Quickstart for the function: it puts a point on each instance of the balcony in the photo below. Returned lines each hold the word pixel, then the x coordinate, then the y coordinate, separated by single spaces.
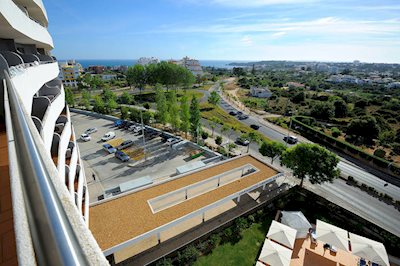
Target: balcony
pixel 17 23
pixel 46 108
pixel 35 10
pixel 56 234
pixel 28 73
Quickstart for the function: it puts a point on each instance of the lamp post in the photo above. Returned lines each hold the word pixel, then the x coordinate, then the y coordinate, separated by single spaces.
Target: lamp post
pixel 144 139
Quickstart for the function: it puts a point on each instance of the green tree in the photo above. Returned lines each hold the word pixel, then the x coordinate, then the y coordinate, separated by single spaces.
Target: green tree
pixel 272 149
pixel 136 76
pixel 341 109
pixel 69 97
pixel 251 136
pixel 173 110
pixel 185 114
pixel 298 97
pixel 108 95
pixel 214 98
pixel 218 140
pixel 365 127
pixel 85 101
pixel 126 98
pixel 167 74
pixel 161 105
pixel 99 105
pixel 194 117
pixel 322 110
pixel 124 112
pixel 312 161
pixel 111 105
pixel 186 78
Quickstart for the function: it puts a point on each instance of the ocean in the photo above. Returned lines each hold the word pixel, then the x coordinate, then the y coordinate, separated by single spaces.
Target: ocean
pixel 129 62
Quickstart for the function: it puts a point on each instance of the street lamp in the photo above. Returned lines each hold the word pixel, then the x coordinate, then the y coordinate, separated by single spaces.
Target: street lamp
pixel 144 139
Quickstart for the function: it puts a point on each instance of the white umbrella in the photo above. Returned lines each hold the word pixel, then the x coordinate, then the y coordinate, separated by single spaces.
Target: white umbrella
pixel 298 221
pixel 369 249
pixel 274 254
pixel 282 234
pixel 333 235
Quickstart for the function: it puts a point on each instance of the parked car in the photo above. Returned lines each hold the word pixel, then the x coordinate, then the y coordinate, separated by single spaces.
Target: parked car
pixel 243 117
pixel 255 127
pixel 233 113
pixel 125 144
pixel 122 156
pixel 108 136
pixel 85 137
pixel 122 125
pixel 171 141
pixel 239 113
pixel 118 122
pixel 90 130
pixel 242 141
pixel 137 129
pixel 109 148
pixel 128 125
pixel 290 139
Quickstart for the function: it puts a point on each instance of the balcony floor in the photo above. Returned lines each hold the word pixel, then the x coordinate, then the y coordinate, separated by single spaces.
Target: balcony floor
pixel 8 254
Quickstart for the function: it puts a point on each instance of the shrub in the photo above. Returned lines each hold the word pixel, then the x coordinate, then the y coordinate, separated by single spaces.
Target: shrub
pixel 146 105
pixel 204 135
pixel 164 262
pixel 251 218
pixel 335 132
pixel 218 140
pixel 380 153
pixel 188 255
pixel 215 239
pixel 350 178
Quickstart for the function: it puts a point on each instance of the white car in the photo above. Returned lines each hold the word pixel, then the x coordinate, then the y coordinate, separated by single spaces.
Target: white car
pixel 85 137
pixel 137 129
pixel 108 136
pixel 90 130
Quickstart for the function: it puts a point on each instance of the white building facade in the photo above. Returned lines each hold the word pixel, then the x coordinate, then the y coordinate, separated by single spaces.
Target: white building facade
pixel 41 171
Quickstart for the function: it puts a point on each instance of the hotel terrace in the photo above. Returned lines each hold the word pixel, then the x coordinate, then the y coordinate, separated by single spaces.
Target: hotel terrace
pixel 129 224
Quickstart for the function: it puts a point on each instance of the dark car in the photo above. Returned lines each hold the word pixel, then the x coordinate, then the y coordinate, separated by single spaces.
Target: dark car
pixel 255 127
pixel 122 156
pixel 239 113
pixel 243 117
pixel 290 139
pixel 122 125
pixel 128 124
pixel 242 141
pixel 125 144
pixel 233 113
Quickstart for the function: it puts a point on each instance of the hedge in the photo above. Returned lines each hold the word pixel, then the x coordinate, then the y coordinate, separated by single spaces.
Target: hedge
pixel 344 145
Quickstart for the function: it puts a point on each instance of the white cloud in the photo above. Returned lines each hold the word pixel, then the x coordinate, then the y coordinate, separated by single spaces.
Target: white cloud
pixel 278 34
pixel 246 40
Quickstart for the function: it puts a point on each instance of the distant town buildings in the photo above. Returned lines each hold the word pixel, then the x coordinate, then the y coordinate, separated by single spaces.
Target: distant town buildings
pixel 191 64
pixel 292 84
pixel 148 60
pixel 69 72
pixel 260 92
pixel 96 69
pixel 107 77
pixel 393 85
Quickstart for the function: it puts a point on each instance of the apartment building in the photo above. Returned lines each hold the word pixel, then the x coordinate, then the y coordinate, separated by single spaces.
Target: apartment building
pixel 44 196
pixel 70 72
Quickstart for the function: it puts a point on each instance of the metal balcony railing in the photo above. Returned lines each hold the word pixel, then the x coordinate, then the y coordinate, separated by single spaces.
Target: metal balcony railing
pixel 54 239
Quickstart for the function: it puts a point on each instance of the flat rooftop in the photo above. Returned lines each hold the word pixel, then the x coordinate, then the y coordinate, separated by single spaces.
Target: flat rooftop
pixel 125 217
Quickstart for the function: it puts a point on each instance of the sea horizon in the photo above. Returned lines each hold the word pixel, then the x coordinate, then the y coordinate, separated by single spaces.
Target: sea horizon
pixel 129 62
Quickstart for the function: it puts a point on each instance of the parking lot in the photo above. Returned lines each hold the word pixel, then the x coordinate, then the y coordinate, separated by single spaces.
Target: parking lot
pixel 104 172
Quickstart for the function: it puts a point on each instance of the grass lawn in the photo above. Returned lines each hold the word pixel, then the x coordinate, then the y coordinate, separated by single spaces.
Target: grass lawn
pixel 208 111
pixel 242 253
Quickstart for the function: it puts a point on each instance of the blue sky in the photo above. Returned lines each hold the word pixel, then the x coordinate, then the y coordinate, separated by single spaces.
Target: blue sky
pixel 324 30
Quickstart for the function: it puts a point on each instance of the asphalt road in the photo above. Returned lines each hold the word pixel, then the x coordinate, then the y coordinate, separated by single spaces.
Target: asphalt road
pixel 338 192
pixel 347 168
